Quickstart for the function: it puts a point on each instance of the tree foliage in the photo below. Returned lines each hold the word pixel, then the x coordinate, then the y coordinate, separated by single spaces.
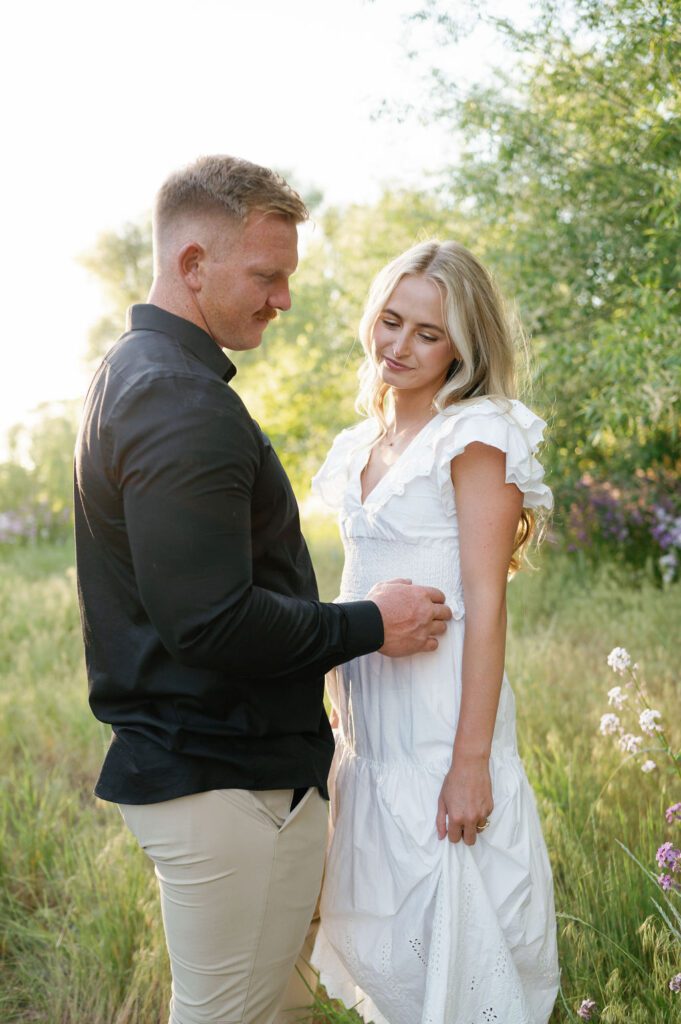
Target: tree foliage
pixel 122 263
pixel 568 187
pixel 571 173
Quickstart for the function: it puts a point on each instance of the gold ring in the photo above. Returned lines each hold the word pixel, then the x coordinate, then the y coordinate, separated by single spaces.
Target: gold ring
pixel 481 828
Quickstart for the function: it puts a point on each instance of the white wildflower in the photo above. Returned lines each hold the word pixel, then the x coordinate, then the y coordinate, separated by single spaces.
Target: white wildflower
pixel 647 721
pixel 630 744
pixel 648 766
pixel 619 659
pixel 617 697
pixel 609 724
pixel 668 563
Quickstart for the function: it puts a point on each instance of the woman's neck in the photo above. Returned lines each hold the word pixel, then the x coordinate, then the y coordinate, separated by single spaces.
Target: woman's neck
pixel 411 408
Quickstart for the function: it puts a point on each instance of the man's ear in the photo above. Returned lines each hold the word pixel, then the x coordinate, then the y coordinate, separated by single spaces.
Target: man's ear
pixel 189 260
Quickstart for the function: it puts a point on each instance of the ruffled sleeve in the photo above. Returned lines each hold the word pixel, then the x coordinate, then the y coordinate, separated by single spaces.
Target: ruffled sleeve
pixel 331 482
pixel 502 423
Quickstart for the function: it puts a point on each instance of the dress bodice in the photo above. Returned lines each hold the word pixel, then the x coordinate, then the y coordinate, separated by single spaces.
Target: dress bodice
pixel 408 523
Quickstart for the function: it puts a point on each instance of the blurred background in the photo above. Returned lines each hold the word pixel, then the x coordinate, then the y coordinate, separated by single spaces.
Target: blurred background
pixel 543 134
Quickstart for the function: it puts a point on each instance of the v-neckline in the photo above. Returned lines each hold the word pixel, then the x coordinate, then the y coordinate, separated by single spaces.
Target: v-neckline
pixel 365 498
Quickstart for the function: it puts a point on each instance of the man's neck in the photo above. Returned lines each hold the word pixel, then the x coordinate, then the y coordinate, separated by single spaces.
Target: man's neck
pixel 167 298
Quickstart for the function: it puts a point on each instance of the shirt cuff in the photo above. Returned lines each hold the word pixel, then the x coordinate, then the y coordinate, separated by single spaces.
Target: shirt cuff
pixel 363 628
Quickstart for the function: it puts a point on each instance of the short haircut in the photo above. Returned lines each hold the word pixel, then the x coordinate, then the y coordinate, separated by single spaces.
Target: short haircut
pixel 230 185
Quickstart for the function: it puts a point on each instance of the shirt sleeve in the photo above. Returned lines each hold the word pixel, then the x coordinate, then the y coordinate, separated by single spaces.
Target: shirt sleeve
pixel 186 456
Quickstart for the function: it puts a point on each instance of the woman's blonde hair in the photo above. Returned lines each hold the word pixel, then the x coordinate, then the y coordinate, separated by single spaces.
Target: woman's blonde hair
pixel 485 335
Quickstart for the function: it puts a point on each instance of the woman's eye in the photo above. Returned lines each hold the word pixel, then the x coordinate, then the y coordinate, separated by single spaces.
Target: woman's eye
pixel 427 337
pixel 390 323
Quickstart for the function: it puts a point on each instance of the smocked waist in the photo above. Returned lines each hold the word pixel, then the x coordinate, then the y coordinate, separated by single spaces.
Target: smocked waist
pixel 369 560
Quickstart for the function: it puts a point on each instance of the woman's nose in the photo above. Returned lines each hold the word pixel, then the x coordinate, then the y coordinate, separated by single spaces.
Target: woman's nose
pixel 401 343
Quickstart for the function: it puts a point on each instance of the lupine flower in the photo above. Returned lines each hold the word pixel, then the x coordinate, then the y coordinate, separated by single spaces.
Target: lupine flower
pixel 629 743
pixel 666 882
pixel 648 766
pixel 619 659
pixel 587 1009
pixel 647 721
pixel 609 724
pixel 673 813
pixel 617 697
pixel 675 983
pixel 668 857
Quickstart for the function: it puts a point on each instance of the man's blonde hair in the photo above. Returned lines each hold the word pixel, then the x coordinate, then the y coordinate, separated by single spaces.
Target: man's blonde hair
pixel 229 185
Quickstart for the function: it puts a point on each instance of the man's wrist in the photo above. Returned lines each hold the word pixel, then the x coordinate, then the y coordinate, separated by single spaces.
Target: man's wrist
pixel 364 632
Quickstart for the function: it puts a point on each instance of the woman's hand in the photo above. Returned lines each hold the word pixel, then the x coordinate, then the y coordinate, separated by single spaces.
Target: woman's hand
pixel 465 799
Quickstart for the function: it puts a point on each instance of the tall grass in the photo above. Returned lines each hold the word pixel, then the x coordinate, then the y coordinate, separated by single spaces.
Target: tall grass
pixel 80 933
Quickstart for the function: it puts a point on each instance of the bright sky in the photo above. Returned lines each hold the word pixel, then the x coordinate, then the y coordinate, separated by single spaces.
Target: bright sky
pixel 102 101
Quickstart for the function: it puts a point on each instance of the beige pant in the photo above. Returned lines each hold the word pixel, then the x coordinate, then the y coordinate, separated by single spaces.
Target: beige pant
pixel 239 876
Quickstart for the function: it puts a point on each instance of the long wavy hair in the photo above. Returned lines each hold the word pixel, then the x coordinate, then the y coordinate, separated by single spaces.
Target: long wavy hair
pixel 488 344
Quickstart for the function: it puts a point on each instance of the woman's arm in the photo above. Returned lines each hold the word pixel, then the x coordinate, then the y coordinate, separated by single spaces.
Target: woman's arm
pixel 488 511
pixel 331 683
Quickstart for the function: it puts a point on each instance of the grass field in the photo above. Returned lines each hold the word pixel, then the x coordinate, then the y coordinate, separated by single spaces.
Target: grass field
pixel 80 935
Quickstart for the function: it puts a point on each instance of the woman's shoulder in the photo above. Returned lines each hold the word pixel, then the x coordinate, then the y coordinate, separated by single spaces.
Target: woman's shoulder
pixel 503 423
pixel 511 410
pixel 365 429
pixel 330 482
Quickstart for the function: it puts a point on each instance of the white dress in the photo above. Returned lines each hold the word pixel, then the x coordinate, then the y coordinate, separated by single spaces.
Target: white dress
pixel 417 930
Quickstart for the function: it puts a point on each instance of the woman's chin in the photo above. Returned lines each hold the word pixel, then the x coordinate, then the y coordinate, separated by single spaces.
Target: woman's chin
pixel 396 378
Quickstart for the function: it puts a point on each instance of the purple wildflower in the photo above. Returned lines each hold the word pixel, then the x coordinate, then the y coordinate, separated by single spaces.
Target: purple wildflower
pixel 587 1009
pixel 668 857
pixel 675 983
pixel 673 813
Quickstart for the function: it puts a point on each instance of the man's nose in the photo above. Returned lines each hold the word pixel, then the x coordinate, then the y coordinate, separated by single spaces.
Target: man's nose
pixel 281 299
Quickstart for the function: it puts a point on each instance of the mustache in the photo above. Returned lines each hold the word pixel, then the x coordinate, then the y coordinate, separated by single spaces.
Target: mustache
pixel 267 314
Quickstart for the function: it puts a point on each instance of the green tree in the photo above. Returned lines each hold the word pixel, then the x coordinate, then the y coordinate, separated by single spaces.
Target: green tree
pixel 36 481
pixel 300 384
pixel 570 172
pixel 122 263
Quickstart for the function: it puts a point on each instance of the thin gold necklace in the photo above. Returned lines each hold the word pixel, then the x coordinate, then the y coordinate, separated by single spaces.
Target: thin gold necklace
pixel 389 444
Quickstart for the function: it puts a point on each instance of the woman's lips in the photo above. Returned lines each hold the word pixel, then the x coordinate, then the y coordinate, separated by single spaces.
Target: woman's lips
pixel 392 365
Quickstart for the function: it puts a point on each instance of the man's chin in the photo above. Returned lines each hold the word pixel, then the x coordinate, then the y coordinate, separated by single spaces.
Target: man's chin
pixel 250 335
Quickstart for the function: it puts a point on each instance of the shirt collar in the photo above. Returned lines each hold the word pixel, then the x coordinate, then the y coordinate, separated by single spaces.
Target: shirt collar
pixel 146 317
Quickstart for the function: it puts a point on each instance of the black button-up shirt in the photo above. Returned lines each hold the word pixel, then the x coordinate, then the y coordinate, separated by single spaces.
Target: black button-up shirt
pixel 205 641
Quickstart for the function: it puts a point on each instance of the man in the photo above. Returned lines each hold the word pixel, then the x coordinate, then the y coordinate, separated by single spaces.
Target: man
pixel 205 642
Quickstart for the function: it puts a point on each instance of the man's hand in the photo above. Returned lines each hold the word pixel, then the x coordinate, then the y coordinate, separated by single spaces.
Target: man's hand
pixel 413 617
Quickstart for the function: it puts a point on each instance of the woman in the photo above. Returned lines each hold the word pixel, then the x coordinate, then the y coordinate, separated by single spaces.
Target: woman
pixel 438 905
